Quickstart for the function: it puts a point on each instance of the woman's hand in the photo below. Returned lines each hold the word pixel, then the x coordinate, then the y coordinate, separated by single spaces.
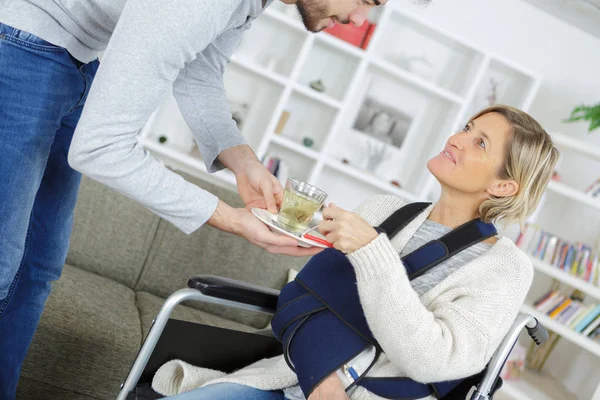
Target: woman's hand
pixel 346 230
pixel 330 389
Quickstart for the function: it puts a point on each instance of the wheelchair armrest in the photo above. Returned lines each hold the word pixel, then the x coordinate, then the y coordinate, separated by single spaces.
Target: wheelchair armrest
pixel 233 290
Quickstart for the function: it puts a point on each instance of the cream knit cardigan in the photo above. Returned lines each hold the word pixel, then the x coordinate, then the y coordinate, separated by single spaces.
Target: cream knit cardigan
pixel 449 332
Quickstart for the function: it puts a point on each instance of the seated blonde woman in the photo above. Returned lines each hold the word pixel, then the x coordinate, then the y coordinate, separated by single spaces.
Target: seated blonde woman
pixel 431 328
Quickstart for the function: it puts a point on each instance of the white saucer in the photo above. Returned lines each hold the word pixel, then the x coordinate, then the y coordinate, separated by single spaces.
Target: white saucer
pixel 270 219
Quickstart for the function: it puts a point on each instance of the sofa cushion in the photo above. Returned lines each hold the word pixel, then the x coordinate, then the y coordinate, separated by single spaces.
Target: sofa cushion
pixel 87 338
pixel 31 389
pixel 175 257
pixel 111 233
pixel 149 306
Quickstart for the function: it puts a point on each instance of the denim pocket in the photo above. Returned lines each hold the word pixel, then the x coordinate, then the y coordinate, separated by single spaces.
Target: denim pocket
pixel 27 39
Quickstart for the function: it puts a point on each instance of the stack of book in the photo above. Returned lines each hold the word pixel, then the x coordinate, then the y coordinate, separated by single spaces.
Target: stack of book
pixel 570 310
pixel 575 258
pixel 594 189
pixel 277 167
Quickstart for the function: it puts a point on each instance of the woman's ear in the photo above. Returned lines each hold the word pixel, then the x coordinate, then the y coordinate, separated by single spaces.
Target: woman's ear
pixel 503 188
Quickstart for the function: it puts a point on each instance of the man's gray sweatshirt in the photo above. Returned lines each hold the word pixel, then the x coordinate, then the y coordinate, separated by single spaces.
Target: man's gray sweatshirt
pixel 150 48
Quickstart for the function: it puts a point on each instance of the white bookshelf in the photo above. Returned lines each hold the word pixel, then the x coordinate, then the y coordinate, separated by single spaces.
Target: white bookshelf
pixel 574 194
pixel 571 280
pixel 435 103
pixel 567 196
pixel 274 76
pixel 564 331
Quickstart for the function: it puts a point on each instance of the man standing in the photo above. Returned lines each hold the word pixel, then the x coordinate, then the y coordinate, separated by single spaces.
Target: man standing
pixel 48 51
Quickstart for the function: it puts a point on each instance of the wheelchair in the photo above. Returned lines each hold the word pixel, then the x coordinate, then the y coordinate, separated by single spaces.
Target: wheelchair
pixel 228 350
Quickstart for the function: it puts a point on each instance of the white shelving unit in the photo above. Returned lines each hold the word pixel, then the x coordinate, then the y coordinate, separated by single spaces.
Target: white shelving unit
pixel 567 196
pixel 564 331
pixel 427 79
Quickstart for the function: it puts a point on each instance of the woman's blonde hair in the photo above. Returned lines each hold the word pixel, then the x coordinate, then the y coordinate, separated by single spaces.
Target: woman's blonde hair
pixel 530 161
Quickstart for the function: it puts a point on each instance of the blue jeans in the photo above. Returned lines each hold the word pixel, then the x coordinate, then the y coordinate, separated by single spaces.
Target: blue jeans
pixel 43 90
pixel 229 391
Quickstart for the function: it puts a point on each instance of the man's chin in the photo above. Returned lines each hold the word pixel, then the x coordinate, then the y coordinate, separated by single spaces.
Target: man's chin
pixel 315 28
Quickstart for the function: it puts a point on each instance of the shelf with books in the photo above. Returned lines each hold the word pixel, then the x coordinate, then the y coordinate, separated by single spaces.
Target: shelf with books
pixel 565 277
pixel 574 194
pixel 576 264
pixel 562 330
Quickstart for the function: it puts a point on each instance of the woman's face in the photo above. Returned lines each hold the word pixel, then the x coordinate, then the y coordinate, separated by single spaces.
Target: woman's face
pixel 472 158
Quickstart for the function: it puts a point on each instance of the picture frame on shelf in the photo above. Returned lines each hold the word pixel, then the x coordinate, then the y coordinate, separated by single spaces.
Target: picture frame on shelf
pixel 382 122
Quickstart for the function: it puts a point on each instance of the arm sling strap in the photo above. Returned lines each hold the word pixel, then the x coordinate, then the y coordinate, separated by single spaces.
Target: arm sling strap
pixel 320 321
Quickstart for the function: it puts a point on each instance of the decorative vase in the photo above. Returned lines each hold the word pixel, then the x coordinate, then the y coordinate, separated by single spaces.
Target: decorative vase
pixel 375 156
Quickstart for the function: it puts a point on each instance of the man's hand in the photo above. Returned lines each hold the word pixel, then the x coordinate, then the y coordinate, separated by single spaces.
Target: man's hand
pixel 330 389
pixel 259 188
pixel 346 230
pixel 242 222
pixel 256 185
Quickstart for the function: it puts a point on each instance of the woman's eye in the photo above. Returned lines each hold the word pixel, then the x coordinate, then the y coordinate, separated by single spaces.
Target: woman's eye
pixel 466 128
pixel 482 143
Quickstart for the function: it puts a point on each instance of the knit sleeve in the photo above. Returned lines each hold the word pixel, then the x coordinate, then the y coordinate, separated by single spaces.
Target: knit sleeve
pixel 152 42
pixel 200 94
pixel 377 208
pixel 457 333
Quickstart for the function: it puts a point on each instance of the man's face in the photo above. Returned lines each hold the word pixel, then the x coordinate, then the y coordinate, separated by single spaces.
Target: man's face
pixel 321 14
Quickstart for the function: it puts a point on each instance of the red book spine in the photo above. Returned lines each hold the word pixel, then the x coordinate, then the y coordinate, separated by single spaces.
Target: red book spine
pixel 367 38
pixel 349 33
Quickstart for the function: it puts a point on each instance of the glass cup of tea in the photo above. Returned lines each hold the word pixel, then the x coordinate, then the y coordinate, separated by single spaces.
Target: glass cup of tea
pixel 300 203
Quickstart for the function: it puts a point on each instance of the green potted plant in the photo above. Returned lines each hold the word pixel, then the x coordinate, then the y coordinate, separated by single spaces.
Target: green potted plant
pixel 586 113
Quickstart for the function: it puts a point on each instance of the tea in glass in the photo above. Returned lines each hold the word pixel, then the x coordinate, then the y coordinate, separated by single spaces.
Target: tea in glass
pixel 300 203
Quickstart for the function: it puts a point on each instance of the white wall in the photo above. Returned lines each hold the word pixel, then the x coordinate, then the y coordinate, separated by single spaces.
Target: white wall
pixel 568 60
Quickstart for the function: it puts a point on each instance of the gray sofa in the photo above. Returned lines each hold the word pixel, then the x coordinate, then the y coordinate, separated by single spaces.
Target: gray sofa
pixel 123 262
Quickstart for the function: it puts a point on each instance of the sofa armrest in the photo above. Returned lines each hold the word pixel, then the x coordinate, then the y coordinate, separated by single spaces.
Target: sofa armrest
pixel 233 290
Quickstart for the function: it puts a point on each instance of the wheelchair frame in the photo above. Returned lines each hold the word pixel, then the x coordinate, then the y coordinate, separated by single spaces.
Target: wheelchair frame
pixel 246 296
